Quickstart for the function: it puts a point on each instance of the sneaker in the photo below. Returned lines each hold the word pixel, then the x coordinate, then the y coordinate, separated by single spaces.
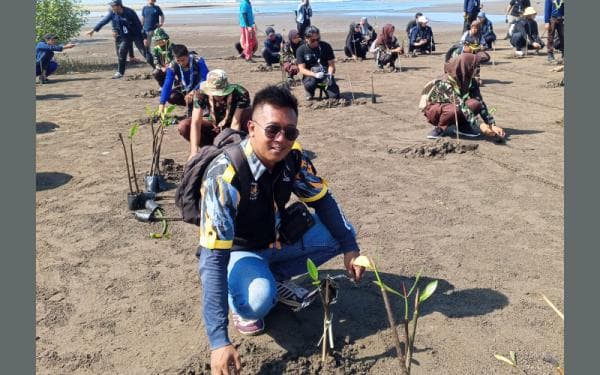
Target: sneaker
pixel 117 75
pixel 550 57
pixel 518 53
pixel 468 132
pixel 293 295
pixel 248 327
pixel 435 133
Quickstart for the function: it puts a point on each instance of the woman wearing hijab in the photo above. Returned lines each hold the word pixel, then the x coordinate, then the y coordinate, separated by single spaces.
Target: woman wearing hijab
pixel 289 54
pixel 368 32
pixel 456 98
pixel 387 48
pixel 354 47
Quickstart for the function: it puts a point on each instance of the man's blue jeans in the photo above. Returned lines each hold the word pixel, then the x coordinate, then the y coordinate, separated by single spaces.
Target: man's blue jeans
pixel 251 275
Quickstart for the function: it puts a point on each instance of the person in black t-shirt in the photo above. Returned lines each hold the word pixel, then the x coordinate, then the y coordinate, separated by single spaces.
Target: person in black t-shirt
pixel 316 62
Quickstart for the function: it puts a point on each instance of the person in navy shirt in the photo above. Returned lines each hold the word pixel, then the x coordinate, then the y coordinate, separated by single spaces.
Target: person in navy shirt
pixel 272 50
pixel 189 71
pixel 471 9
pixel 152 18
pixel 44 52
pixel 554 22
pixel 129 29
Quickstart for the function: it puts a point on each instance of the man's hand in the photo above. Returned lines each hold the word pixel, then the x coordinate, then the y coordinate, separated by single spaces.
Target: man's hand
pixel 223 359
pixel 547 26
pixel 90 33
pixel 69 45
pixel 536 45
pixel 161 108
pixel 319 75
pixel 250 29
pixel 356 272
pixel 189 97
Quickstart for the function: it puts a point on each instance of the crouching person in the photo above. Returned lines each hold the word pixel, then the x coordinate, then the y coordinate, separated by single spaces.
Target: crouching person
pixel 44 53
pixel 217 105
pixel 316 62
pixel 456 98
pixel 245 264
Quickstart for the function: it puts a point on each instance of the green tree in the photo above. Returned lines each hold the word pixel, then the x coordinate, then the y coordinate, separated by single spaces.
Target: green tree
pixel 61 17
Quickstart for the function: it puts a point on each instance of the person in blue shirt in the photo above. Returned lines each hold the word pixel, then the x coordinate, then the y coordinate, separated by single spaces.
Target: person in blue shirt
pixel 248 40
pixel 554 23
pixel 152 18
pixel 245 263
pixel 118 39
pixel 189 71
pixel 273 44
pixel 303 15
pixel 44 52
pixel 129 29
pixel 486 29
pixel 471 9
pixel 421 38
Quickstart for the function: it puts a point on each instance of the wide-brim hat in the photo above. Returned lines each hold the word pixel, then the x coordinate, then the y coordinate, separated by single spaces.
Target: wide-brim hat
pixel 529 11
pixel 217 83
pixel 159 34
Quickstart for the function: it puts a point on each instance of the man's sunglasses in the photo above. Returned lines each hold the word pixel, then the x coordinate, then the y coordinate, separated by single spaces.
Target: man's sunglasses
pixel 271 131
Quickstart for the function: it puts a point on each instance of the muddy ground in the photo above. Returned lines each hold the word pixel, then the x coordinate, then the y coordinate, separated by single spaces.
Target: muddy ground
pixel 485 219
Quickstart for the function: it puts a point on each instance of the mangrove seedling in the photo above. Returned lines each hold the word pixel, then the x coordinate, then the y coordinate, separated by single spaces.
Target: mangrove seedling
pixel 163 119
pixel 328 292
pixel 405 351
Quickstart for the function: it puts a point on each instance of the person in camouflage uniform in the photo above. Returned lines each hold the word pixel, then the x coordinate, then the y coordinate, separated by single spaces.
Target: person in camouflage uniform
pixel 456 98
pixel 217 105
pixel 288 54
pixel 162 54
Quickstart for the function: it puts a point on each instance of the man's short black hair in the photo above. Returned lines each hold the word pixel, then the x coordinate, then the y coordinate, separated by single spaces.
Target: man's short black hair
pixel 179 50
pixel 418 14
pixel 276 96
pixel 310 31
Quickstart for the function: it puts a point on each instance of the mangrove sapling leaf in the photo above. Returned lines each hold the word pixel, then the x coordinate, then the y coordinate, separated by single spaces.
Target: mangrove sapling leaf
pixel 417 277
pixel 133 131
pixel 387 288
pixel 513 357
pixel 429 290
pixel 504 359
pixel 363 261
pixel 164 226
pixel 313 272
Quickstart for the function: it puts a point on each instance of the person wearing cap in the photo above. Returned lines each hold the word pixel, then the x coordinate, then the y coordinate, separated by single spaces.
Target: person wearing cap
pixel 471 9
pixel 188 71
pixel 421 37
pixel 387 48
pixel 272 47
pixel 248 40
pixel 316 62
pixel 303 15
pixel 118 39
pixel 355 48
pixel 554 23
pixel 513 13
pixel 412 23
pixel 218 104
pixel 162 54
pixel 152 18
pixel 290 66
pixel 129 29
pixel 368 32
pixel 44 52
pixel 486 29
pixel 525 33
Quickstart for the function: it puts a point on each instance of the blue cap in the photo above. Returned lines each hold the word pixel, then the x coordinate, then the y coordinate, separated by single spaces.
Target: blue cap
pixel 481 14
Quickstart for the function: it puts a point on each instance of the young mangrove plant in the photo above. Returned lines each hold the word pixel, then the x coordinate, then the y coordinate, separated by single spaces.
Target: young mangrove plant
pixel 404 348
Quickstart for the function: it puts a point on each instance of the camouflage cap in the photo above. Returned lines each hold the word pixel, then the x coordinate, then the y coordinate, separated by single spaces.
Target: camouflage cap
pixel 216 83
pixel 159 34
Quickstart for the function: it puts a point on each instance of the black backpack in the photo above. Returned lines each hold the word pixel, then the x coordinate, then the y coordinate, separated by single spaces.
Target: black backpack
pixel 187 195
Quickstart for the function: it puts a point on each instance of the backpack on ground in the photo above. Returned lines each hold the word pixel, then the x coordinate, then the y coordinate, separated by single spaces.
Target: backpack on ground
pixel 187 195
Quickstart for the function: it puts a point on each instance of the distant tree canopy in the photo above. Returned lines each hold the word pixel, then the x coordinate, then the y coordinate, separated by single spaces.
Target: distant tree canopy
pixel 61 17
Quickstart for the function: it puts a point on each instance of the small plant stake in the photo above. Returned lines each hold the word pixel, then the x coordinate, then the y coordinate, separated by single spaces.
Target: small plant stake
pixel 404 356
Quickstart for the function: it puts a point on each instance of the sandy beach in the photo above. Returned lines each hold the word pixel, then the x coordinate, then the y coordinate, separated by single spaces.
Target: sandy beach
pixel 487 222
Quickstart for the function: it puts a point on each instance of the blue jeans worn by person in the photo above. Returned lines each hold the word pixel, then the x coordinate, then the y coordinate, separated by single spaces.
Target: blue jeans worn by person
pixel 252 275
pixel 49 66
